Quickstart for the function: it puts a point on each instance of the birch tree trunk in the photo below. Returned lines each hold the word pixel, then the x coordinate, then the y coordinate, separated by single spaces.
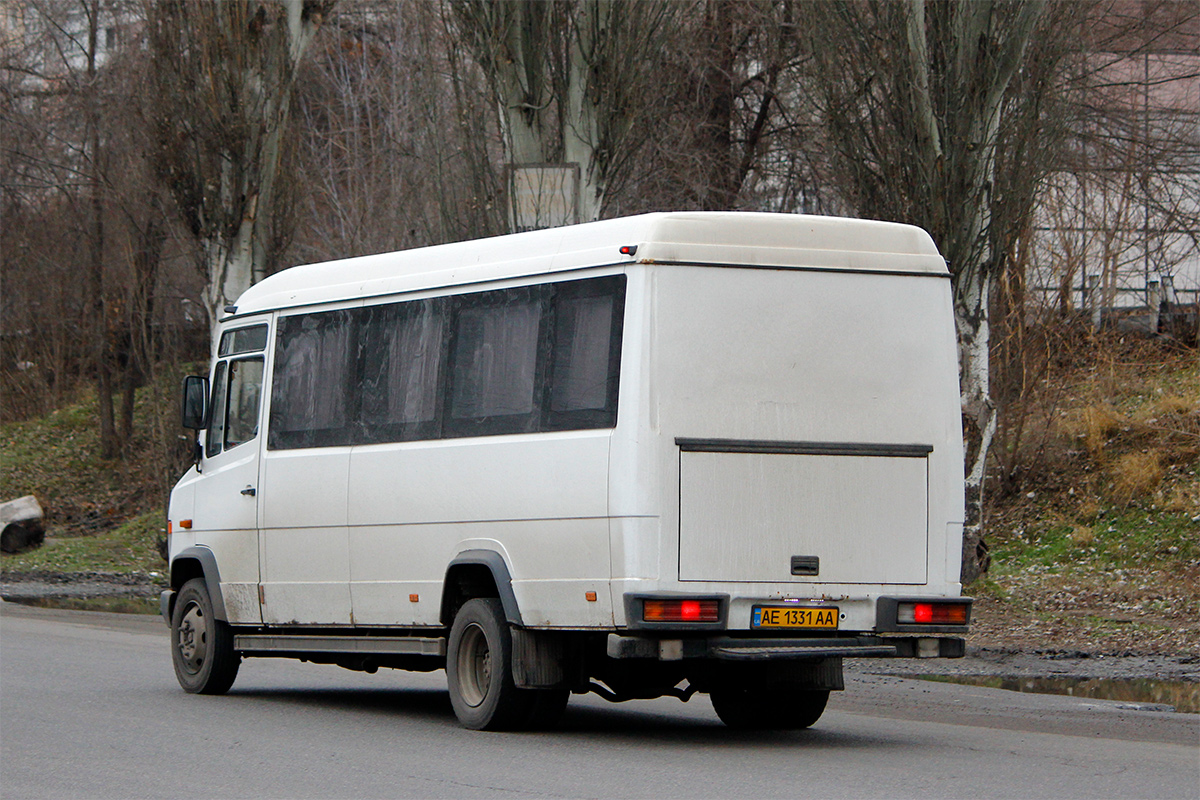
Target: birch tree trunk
pixel 582 133
pixel 110 445
pixel 224 74
pixel 915 113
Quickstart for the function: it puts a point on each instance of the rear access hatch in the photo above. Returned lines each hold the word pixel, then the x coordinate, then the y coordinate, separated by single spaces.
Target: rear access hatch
pixel 780 512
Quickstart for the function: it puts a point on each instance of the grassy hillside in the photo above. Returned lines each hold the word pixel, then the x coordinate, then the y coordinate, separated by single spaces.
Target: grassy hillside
pixel 133 546
pixel 101 515
pixel 1097 548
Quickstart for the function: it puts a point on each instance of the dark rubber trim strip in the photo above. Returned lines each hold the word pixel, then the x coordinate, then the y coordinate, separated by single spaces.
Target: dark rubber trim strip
pixel 803 448
pixel 212 576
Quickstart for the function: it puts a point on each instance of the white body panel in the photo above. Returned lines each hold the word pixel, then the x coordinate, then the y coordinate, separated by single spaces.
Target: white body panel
pixel 746 328
pixel 542 495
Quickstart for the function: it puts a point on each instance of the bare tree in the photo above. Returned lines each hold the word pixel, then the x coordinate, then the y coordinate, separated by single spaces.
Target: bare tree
pixel 572 80
pixel 39 178
pixel 733 125
pixel 78 169
pixel 398 139
pixel 929 109
pixel 223 75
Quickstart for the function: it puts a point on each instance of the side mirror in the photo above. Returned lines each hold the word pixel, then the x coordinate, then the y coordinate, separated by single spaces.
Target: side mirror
pixel 195 402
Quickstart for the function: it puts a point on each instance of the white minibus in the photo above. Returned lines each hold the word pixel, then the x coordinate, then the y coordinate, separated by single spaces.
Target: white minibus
pixel 657 455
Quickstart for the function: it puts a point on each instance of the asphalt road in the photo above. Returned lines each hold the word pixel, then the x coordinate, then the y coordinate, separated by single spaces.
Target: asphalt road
pixel 89 708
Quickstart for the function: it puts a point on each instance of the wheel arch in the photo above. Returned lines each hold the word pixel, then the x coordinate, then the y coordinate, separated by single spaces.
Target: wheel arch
pixel 198 562
pixel 478 573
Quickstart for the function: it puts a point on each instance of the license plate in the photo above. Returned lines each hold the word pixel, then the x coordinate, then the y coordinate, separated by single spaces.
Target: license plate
pixel 793 617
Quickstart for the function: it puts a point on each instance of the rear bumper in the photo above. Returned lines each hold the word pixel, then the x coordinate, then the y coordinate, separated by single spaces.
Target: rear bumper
pixel 727 648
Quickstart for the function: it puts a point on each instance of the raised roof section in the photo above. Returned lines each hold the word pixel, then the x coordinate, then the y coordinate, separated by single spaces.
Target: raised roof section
pixel 720 238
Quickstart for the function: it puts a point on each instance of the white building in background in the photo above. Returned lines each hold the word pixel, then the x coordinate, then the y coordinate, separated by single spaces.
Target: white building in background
pixel 42 43
pixel 1120 228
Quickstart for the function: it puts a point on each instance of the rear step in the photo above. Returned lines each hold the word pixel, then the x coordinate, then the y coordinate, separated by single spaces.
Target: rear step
pixel 769 653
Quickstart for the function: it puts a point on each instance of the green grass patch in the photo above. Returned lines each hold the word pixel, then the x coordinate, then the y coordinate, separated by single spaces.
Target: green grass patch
pixel 130 547
pixel 987 586
pixel 1150 384
pixel 1132 538
pixel 51 456
pixel 56 458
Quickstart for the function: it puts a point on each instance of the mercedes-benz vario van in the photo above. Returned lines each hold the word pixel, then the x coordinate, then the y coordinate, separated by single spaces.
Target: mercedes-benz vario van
pixel 659 455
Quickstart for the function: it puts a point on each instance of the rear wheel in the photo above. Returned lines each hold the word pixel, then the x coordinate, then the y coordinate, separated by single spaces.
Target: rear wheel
pixel 201 645
pixel 758 709
pixel 479 670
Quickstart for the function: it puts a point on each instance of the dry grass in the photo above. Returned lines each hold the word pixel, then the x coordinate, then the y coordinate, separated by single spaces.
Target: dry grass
pixel 1089 509
pixel 1175 406
pixel 1135 476
pixel 1095 534
pixel 1100 424
pixel 1082 535
pixel 1182 499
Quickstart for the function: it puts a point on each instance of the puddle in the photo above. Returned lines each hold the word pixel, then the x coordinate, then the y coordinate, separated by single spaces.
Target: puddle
pixel 1182 696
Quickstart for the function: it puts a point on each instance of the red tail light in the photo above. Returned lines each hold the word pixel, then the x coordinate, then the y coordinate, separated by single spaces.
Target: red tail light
pixel 681 611
pixel 932 613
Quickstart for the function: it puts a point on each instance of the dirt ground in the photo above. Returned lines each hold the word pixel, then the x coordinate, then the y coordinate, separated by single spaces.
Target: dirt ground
pixel 47 586
pixel 1079 626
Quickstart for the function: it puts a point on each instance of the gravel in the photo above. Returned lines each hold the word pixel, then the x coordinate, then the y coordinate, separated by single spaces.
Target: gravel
pixel 985 662
pixel 24 586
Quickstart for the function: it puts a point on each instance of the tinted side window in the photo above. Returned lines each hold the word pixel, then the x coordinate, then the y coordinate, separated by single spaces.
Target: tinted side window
pixel 586 355
pixel 495 381
pixel 582 329
pixel 402 348
pixel 311 385
pixel 245 388
pixel 515 360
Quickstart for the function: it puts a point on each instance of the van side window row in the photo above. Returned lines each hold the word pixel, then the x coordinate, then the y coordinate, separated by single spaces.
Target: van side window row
pixel 532 358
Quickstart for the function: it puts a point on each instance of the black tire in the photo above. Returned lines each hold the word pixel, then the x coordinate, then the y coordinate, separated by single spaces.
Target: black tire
pixel 780 710
pixel 201 645
pixel 479 670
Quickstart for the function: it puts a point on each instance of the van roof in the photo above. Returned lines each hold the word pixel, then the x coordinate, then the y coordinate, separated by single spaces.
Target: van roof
pixel 707 238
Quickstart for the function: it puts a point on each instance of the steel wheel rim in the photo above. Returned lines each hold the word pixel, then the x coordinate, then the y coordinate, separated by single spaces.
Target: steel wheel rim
pixel 193 638
pixel 474 666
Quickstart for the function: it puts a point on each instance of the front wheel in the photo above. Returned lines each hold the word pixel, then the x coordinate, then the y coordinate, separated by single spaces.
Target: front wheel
pixel 201 645
pixel 479 670
pixel 757 709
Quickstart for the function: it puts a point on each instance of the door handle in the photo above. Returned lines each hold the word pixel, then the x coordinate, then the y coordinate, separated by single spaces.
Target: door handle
pixel 249 491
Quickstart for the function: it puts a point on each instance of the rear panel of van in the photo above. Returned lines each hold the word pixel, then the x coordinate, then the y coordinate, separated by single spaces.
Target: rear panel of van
pixel 808 439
